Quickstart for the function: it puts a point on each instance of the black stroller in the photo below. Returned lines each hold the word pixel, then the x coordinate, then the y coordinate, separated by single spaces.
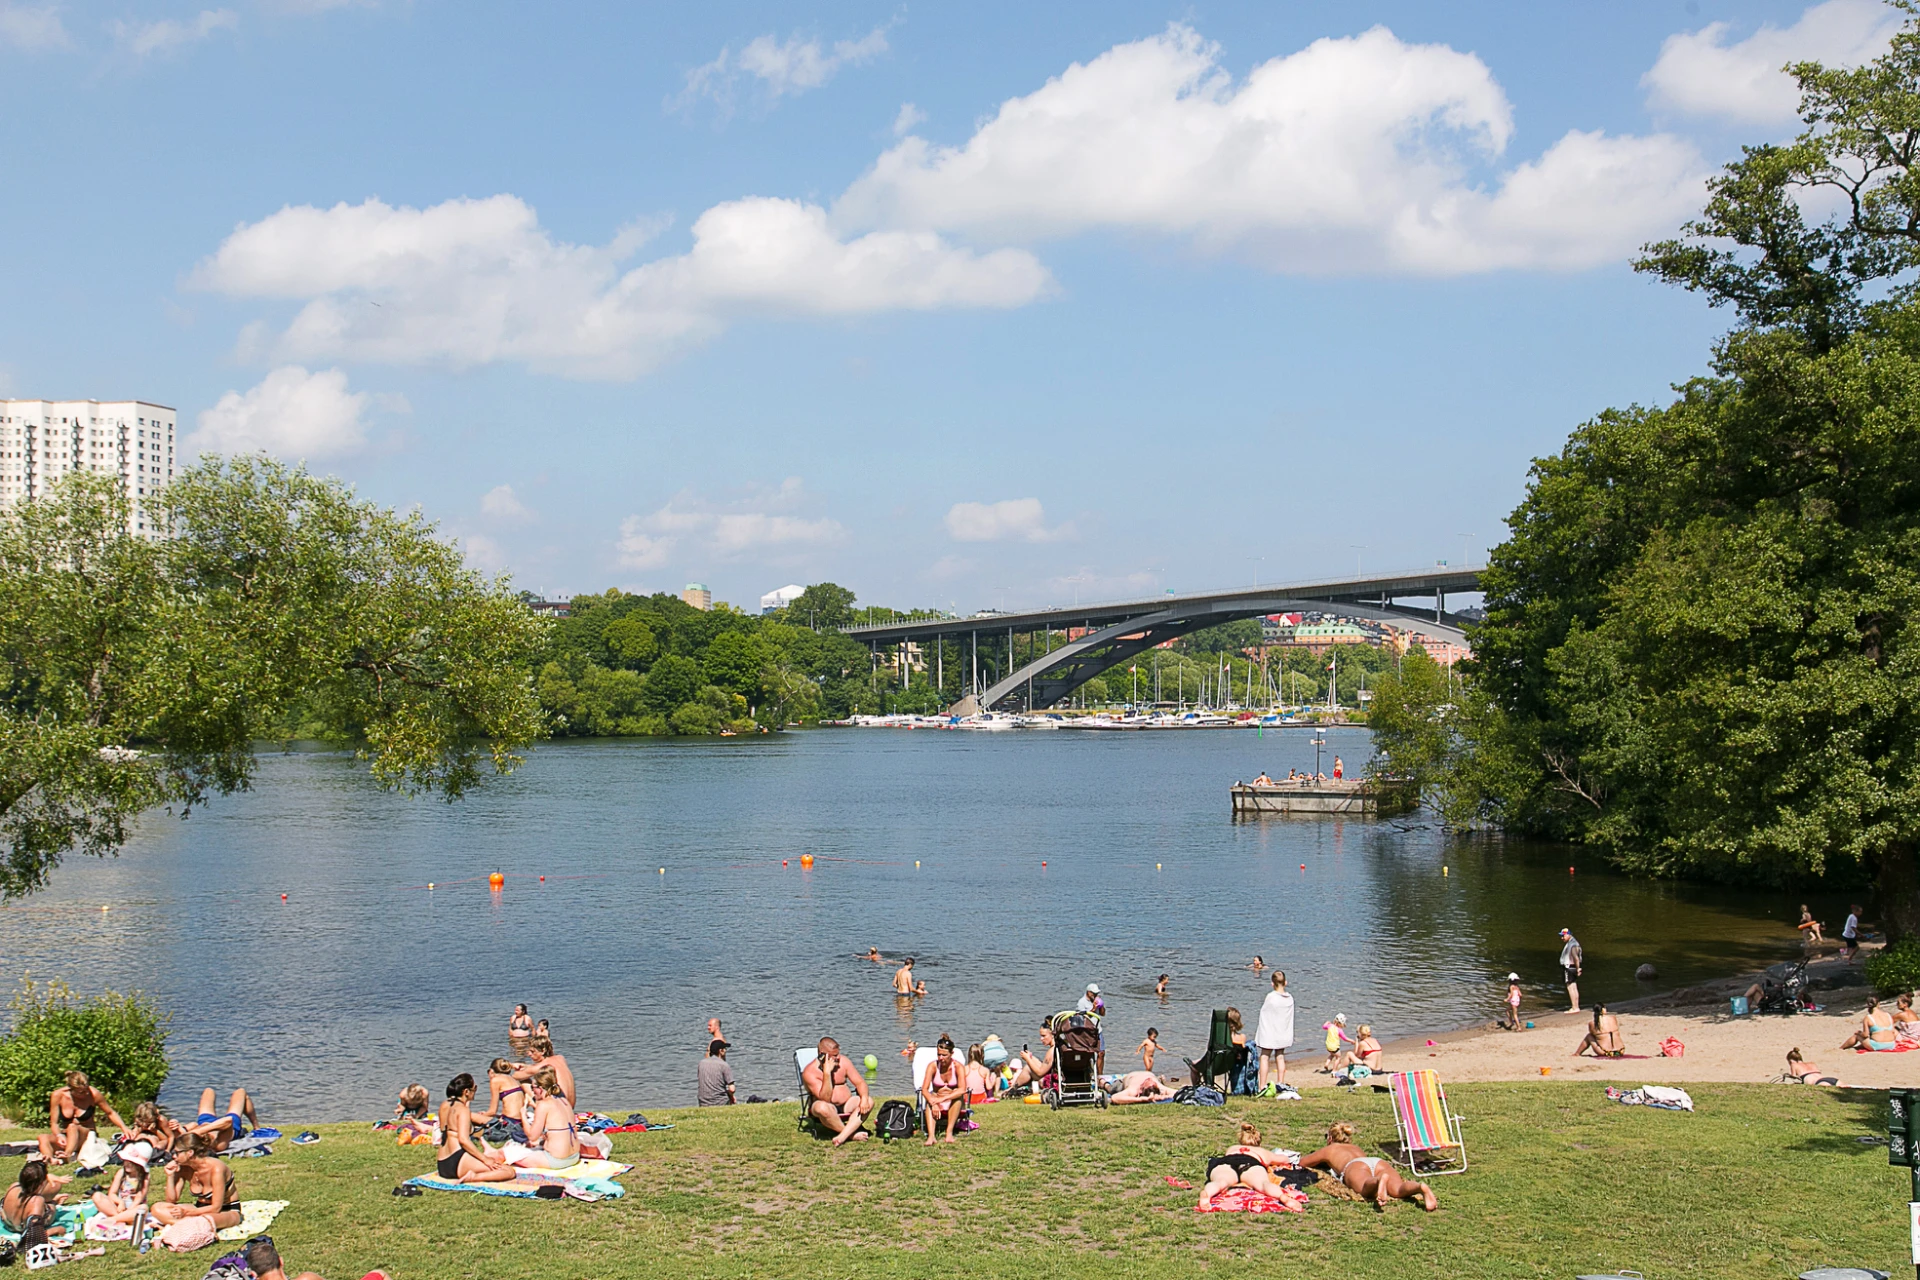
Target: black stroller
pixel 1076 1056
pixel 1789 994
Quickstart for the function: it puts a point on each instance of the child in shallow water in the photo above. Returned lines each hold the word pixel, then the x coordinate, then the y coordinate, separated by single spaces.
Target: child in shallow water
pixel 1149 1047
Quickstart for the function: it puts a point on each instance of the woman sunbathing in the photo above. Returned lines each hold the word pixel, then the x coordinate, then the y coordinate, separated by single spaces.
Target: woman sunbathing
pixel 224 1130
pixel 1140 1086
pixel 1366 1052
pixel 1245 1164
pixel 507 1096
pixel 1806 1073
pixel 31 1195
pixel 1906 1023
pixel 1603 1037
pixel 461 1158
pixel 198 1174
pixel 553 1142
pixel 1876 1030
pixel 1372 1176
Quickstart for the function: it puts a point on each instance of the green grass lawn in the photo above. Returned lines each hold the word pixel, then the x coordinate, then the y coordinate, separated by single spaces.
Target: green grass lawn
pixel 1762 1181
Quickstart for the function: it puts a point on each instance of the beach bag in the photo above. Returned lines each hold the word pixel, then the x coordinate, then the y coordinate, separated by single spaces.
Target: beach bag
pixel 94 1152
pixel 894 1119
pixel 188 1234
pixel 1672 1048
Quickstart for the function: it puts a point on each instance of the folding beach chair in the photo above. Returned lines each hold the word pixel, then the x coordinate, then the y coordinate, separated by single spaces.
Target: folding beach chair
pixel 1222 1057
pixel 1430 1137
pixel 922 1057
pixel 809 1122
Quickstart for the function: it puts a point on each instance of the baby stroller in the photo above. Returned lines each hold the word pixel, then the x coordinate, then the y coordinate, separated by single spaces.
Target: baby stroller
pixel 1076 1053
pixel 1789 995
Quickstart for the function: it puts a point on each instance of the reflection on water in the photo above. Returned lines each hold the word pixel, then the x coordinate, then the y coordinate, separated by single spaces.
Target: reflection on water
pixel 1015 867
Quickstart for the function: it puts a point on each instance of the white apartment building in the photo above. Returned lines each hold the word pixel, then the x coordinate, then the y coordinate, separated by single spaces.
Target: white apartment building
pixel 43 440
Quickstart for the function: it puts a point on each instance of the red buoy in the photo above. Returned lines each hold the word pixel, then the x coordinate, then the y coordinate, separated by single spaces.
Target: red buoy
pixel 283 897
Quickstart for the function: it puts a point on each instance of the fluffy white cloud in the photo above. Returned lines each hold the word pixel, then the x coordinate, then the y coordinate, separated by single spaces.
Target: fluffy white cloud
pixel 762 523
pixel 502 503
pixel 910 118
pixel 292 414
pixel 1706 73
pixel 470 282
pixel 170 35
pixel 782 68
pixel 1016 519
pixel 32 29
pixel 1362 153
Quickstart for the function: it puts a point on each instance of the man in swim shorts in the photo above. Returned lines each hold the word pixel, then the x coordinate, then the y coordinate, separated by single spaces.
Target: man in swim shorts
pixel 840 1098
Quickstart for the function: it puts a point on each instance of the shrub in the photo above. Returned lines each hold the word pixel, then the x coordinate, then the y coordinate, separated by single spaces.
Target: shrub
pixel 118 1040
pixel 1897 968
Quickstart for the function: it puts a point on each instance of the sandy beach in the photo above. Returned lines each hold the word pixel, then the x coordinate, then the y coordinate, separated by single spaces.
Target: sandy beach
pixel 1719 1046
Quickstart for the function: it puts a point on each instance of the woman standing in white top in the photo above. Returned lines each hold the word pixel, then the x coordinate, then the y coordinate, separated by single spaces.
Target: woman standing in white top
pixel 1274 1036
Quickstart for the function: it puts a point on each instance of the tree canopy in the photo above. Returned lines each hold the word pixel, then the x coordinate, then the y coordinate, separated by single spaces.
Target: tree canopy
pixel 142 672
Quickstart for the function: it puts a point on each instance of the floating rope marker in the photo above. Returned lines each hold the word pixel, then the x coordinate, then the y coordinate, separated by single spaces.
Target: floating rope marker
pixel 663 871
pixel 916 863
pixel 495 880
pixel 783 862
pixel 806 860
pixel 429 884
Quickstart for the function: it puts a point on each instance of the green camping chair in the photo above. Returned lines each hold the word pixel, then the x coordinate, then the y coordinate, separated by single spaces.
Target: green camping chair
pixel 1222 1055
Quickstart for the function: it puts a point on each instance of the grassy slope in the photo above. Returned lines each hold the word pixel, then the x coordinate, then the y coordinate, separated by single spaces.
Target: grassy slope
pixel 1761 1181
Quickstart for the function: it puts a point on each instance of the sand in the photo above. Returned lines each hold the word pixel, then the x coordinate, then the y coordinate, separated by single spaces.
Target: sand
pixel 1719 1046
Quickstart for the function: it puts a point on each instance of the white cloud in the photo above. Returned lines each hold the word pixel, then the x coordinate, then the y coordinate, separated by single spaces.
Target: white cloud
pixel 783 69
pixel 292 414
pixel 502 503
pixel 910 118
pixel 481 552
pixel 1354 154
pixel 1705 73
pixel 1016 519
pixel 169 35
pixel 760 523
pixel 32 29
pixel 472 282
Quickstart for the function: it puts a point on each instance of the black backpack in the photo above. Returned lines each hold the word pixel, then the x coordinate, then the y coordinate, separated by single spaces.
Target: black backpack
pixel 895 1119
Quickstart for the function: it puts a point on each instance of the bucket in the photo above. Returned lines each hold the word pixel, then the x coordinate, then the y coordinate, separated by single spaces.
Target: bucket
pixel 1739 1006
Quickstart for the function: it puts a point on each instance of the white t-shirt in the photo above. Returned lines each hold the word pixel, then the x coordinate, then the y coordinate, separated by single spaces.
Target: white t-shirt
pixel 1852 929
pixel 1276 1022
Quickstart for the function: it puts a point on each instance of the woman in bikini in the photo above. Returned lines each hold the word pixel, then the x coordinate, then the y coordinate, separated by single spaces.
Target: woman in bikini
pixel 1372 1176
pixel 1806 1073
pixel 460 1157
pixel 1366 1052
pixel 229 1128
pixel 944 1090
pixel 1876 1030
pixel 1245 1164
pixel 983 1082
pixel 552 1140
pixel 198 1174
pixel 32 1194
pixel 507 1097
pixel 1603 1037
pixel 520 1024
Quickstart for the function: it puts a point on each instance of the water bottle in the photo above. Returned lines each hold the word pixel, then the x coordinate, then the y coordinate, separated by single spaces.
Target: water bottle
pixel 140 1231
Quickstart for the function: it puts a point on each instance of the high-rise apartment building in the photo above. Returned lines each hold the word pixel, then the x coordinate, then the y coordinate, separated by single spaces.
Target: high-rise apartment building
pixel 43 440
pixel 697 595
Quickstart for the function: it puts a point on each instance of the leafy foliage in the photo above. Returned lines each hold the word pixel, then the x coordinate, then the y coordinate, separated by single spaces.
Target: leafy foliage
pixel 1895 968
pixel 141 673
pixel 119 1040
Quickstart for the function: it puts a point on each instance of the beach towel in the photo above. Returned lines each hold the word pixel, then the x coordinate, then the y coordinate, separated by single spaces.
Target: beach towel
pixel 255 1217
pixel 1653 1095
pixel 1247 1200
pixel 1900 1046
pixel 527 1185
pixel 256 1143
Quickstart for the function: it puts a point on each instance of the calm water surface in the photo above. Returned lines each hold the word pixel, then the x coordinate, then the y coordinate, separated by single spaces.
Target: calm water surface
pixel 925 843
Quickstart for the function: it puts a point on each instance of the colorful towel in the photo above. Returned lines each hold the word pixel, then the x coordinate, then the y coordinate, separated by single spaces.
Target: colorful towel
pixel 1247 1200
pixel 1901 1046
pixel 527 1185
pixel 255 1217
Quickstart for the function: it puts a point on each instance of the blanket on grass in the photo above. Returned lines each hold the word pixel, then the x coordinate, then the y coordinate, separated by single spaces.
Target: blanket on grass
pixel 1247 1200
pixel 587 1180
pixel 255 1217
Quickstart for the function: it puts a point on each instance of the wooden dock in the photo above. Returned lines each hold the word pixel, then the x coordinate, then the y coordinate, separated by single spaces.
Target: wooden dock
pixel 1358 797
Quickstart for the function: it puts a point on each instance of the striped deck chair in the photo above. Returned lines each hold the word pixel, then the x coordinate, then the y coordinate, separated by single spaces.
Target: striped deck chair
pixel 1430 1139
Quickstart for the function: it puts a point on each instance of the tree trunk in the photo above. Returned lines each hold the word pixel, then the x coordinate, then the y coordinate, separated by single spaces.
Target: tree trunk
pixel 1896 892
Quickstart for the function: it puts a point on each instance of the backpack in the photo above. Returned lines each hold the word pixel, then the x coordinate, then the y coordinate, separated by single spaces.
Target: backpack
pixel 895 1119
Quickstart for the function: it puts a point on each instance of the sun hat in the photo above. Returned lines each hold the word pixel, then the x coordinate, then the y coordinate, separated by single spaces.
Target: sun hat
pixel 1513 977
pixel 140 1153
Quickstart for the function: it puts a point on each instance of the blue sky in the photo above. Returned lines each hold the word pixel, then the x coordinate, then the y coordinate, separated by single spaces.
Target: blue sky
pixel 962 306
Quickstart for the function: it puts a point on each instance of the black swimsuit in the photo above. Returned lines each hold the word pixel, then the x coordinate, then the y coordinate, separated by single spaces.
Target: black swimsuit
pixel 449 1167
pixel 1238 1161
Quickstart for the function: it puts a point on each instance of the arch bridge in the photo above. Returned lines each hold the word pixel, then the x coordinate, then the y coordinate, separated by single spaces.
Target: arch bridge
pixel 1116 631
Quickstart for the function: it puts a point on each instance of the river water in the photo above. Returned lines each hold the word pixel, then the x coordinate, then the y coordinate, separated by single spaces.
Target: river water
pixel 925 843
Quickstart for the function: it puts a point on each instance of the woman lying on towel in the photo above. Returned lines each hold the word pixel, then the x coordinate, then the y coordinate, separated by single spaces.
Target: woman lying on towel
pixel 1245 1164
pixel 461 1158
pixel 553 1143
pixel 1806 1073
pixel 1372 1176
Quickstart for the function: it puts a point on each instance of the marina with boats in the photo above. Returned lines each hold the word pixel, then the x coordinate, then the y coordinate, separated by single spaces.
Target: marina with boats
pixel 1098 722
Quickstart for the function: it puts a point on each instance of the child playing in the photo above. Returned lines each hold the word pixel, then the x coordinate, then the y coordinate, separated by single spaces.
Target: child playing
pixel 1149 1047
pixel 1511 1021
pixel 1336 1035
pixel 126 1198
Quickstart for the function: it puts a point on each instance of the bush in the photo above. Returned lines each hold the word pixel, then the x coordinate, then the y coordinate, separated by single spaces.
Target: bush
pixel 1897 968
pixel 118 1040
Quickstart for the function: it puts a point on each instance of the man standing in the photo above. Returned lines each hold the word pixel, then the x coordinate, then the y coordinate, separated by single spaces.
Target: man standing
pixel 1850 934
pixel 903 978
pixel 839 1093
pixel 1093 1004
pixel 715 1086
pixel 1571 959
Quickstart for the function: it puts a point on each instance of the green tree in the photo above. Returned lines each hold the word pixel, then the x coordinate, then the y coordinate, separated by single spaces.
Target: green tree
pixel 1412 740
pixel 140 673
pixel 824 606
pixel 735 660
pixel 630 640
pixel 673 681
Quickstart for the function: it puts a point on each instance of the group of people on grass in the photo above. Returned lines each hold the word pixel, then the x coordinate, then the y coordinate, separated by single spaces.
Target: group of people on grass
pixel 1373 1178
pixel 533 1101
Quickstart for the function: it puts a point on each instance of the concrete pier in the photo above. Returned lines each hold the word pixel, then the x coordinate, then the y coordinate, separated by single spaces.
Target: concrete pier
pixel 1359 797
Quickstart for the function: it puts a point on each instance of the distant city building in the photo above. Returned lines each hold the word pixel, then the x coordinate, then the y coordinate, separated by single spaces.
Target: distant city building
pixel 553 608
pixel 1444 652
pixel 44 440
pixel 1277 628
pixel 1321 636
pixel 697 595
pixel 774 601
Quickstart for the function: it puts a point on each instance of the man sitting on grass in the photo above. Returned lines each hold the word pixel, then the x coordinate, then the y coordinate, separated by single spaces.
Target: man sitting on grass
pixel 839 1094
pixel 263 1259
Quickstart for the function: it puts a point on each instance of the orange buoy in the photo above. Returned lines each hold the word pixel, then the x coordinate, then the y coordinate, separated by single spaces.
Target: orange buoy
pixel 1303 866
pixel 496 880
pixel 1043 863
pixel 806 860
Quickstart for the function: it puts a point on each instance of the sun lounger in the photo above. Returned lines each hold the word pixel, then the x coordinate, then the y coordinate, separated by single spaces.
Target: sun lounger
pixel 809 1122
pixel 1430 1139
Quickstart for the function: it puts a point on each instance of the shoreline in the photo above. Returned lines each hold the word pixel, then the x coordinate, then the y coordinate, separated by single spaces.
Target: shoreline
pixel 1720 1048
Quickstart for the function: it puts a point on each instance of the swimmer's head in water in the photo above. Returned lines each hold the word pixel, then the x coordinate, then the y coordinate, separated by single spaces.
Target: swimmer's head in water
pixel 458 1087
pixel 1340 1132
